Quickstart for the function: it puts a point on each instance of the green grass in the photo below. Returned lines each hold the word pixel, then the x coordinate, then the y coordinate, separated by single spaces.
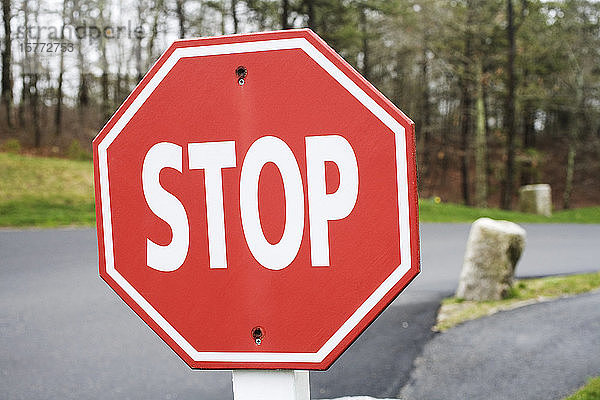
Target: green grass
pixel 39 191
pixel 430 211
pixel 526 291
pixel 591 391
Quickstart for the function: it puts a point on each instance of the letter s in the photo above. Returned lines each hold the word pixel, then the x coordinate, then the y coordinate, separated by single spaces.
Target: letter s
pixel 166 206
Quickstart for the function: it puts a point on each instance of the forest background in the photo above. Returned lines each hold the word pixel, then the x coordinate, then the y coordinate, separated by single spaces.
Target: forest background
pixel 503 92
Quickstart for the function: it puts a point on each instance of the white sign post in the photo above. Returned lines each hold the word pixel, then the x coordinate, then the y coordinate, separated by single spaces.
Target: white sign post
pixel 271 385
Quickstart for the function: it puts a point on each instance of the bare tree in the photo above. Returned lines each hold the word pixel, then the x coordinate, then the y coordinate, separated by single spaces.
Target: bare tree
pixel 221 9
pixel 157 14
pixel 575 131
pixel 25 68
pixel 364 34
pixel 465 82
pixel 61 71
pixel 7 80
pixel 310 13
pixel 285 14
pixel 180 13
pixel 141 17
pixel 30 66
pixel 35 73
pixel 425 111
pixel 105 19
pixel 510 123
pixel 234 16
pixel 480 142
pixel 83 89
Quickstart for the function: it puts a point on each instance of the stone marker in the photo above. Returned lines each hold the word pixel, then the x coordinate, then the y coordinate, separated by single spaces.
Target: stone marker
pixel 493 249
pixel 536 199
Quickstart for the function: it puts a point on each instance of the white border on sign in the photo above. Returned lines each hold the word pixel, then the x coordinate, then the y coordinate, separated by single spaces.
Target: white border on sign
pixel 403 201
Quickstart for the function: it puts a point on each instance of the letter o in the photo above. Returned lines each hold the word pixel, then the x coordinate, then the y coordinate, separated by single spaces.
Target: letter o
pixel 280 255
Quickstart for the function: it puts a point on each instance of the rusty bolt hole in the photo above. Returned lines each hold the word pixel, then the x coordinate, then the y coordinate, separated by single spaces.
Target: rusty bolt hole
pixel 241 71
pixel 258 333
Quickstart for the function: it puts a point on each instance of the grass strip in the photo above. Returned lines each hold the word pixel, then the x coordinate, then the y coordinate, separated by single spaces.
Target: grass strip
pixel 430 211
pixel 45 192
pixel 591 391
pixel 454 311
pixel 41 212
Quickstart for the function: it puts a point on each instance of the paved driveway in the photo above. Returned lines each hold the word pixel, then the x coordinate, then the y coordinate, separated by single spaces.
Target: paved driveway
pixel 65 334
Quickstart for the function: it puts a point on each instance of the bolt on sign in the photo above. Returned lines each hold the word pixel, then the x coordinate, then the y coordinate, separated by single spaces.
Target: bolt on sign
pixel 256 201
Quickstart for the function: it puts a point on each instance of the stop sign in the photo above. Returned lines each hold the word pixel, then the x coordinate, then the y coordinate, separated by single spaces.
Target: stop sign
pixel 256 201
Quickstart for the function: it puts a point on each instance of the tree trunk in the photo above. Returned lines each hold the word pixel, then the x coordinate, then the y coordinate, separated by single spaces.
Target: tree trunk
pixel 528 125
pixel 573 134
pixel 138 43
pixel 570 171
pixel 117 98
pixel 179 10
pixel 61 70
pixel 83 95
pixel 120 57
pixel 310 12
pixel 35 111
pixel 25 70
pixel 59 98
pixel 364 33
pixel 234 16
pixel 104 79
pixel 486 111
pixel 285 11
pixel 528 165
pixel 441 156
pixel 158 8
pixel 464 143
pixel 6 95
pixel 481 189
pixel 220 7
pixel 508 183
pixel 425 117
pixel 35 74
pixel 466 107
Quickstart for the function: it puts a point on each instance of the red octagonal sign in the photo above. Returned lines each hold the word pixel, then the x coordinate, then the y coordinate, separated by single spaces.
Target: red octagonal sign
pixel 256 201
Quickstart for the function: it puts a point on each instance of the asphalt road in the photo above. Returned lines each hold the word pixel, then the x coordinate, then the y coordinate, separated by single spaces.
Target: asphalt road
pixel 65 334
pixel 517 359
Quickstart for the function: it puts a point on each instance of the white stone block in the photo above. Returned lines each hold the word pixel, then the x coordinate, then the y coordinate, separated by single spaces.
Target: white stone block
pixel 493 250
pixel 536 199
